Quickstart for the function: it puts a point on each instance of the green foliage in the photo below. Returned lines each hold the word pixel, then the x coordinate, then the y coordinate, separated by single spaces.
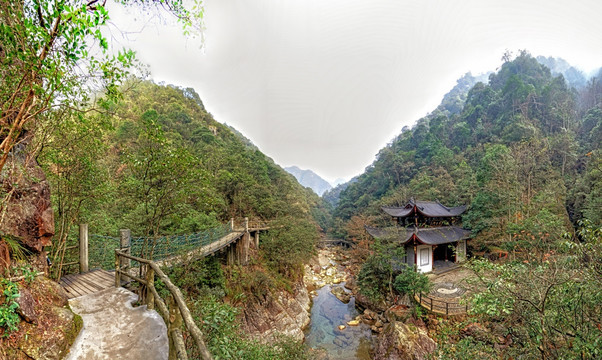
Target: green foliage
pixel 9 319
pixel 199 277
pixel 523 152
pixel 376 275
pixel 15 247
pixel 288 245
pixel 409 281
pixel 516 146
pixel 150 168
pixel 550 305
pixel 225 340
pixel 29 274
pixel 452 344
pixel 40 84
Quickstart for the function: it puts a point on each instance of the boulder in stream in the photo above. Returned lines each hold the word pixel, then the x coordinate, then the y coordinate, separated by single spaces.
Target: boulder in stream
pixel 341 294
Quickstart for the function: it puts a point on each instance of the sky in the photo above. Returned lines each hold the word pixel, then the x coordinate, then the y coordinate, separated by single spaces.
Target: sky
pixel 325 84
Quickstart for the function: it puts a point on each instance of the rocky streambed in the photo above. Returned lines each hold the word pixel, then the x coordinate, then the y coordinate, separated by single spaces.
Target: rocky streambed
pixel 337 329
pixel 341 330
pixel 341 323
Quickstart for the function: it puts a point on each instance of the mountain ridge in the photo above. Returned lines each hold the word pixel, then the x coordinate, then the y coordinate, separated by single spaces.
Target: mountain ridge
pixel 310 179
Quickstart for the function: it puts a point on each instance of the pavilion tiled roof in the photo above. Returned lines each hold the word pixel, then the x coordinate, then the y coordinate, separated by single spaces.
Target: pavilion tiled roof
pixel 426 208
pixel 428 236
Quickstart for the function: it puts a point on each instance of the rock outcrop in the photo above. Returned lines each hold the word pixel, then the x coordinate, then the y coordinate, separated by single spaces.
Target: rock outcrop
pixel 28 215
pixel 281 313
pixel 401 341
pixel 50 327
pixel 27 306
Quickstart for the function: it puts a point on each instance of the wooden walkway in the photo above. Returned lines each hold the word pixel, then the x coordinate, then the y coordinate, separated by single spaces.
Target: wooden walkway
pixel 76 285
pixel 203 251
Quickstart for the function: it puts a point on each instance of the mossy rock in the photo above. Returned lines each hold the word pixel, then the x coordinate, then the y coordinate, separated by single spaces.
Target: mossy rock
pixel 54 332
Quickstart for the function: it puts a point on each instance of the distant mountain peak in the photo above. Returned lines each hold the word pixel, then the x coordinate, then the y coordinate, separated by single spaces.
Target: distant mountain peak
pixel 337 182
pixel 309 179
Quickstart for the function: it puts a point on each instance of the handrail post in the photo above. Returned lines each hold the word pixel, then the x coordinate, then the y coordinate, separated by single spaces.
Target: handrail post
pixel 231 224
pixel 83 248
pixel 446 308
pixel 150 282
pixel 125 241
pixel 175 322
pixel 117 270
pixel 246 224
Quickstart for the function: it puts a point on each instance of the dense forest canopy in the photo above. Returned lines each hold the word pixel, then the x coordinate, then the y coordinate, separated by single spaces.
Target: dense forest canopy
pixel 523 151
pixel 158 163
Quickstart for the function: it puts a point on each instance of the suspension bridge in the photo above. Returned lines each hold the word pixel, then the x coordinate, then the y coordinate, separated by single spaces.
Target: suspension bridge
pixel 97 252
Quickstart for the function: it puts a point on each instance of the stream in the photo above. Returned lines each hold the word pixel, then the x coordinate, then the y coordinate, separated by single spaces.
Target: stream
pixel 328 313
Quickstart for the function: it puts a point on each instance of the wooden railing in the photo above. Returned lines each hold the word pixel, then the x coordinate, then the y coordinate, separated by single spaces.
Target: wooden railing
pixel 258 224
pixel 243 224
pixel 174 310
pixel 440 306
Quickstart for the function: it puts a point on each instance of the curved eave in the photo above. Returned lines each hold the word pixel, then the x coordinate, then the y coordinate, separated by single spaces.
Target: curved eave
pixel 397 211
pixel 441 235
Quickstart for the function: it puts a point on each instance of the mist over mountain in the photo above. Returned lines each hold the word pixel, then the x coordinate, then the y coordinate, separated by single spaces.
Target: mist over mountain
pixel 337 182
pixel 332 196
pixel 309 179
pixel 558 66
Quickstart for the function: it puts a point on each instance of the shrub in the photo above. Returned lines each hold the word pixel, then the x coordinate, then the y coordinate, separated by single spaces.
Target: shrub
pixel 411 282
pixel 225 340
pixel 9 319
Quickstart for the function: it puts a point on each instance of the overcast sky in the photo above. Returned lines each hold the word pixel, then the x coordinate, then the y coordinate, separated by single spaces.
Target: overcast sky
pixel 325 84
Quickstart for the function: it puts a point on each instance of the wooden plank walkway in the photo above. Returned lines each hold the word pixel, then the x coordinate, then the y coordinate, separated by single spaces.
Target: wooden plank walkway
pixel 76 285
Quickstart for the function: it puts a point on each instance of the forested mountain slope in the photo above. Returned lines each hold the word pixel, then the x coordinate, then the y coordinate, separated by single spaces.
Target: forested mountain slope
pixel 158 163
pixel 523 152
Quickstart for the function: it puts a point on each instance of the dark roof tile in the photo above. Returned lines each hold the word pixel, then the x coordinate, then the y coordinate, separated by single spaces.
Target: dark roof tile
pixel 429 236
pixel 426 208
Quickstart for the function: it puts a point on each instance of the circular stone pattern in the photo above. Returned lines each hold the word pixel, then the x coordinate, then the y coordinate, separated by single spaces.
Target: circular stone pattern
pixel 447 290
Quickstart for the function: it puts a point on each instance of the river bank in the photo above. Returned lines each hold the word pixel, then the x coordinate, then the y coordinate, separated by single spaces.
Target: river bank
pixel 346 325
pixel 326 311
pixel 336 330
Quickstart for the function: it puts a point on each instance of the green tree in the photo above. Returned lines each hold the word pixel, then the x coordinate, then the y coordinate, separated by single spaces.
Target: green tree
pixel 377 273
pixel 71 159
pixel 49 64
pixel 150 182
pixel 288 245
pixel 496 203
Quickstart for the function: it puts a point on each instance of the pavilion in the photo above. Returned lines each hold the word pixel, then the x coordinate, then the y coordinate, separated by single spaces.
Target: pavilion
pixel 429 232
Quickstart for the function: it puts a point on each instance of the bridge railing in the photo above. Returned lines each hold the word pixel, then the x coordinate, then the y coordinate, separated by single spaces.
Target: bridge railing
pixel 173 309
pixel 159 248
pixel 95 251
pixel 164 247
